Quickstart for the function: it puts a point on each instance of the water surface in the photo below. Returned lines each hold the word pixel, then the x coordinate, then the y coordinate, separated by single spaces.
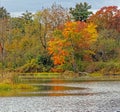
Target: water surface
pixel 66 97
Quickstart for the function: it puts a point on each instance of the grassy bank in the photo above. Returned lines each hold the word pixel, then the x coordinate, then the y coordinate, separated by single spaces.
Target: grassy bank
pixel 68 76
pixel 10 82
pixel 15 80
pixel 9 87
pixel 96 76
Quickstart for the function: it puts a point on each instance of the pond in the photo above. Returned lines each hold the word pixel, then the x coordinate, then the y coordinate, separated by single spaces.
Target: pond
pixel 62 96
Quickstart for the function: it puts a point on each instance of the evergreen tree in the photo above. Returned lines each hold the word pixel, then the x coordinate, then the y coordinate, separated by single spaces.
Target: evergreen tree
pixel 80 12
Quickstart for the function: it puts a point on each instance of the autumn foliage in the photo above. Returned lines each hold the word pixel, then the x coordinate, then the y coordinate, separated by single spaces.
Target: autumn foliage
pixel 75 37
pixel 107 17
pixel 55 39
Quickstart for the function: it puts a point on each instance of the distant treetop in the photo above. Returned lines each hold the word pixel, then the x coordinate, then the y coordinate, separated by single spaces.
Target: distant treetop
pixel 80 12
pixel 4 13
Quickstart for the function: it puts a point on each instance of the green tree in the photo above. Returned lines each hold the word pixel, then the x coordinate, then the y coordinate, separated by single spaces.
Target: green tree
pixel 107 45
pixel 4 32
pixel 80 12
pixel 4 13
pixel 27 16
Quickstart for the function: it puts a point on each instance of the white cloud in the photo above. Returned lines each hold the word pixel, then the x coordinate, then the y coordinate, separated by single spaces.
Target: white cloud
pixel 16 14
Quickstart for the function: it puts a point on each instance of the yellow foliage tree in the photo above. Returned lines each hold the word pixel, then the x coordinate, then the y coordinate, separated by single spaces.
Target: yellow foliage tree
pixel 74 38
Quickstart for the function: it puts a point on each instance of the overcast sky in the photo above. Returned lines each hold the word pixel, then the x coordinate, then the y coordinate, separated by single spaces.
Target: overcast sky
pixel 18 6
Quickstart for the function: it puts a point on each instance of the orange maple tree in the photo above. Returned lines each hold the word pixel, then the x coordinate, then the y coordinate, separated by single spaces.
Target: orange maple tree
pixel 74 38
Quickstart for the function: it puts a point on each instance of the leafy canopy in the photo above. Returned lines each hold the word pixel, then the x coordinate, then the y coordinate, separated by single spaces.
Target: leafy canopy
pixel 75 37
pixel 80 12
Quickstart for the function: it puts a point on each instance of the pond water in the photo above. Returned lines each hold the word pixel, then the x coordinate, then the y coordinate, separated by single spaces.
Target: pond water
pixel 58 96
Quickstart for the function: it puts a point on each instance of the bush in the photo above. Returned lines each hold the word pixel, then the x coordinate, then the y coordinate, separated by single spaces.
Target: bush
pixel 45 61
pixel 95 66
pixel 106 68
pixel 68 74
pixel 112 68
pixel 30 67
pixel 82 65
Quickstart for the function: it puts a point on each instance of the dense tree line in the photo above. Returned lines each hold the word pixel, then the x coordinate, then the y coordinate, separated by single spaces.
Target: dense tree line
pixel 57 39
